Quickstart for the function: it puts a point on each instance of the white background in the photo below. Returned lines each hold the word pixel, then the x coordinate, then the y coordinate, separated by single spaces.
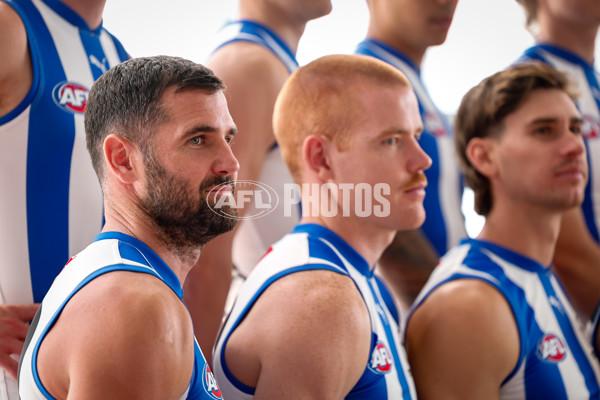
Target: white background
pixel 485 36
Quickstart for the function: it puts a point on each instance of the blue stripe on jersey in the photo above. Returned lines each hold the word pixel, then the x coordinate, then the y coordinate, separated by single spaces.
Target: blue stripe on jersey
pixel 49 164
pixel 255 32
pixel 542 379
pixel 99 64
pixel 353 257
pixel 49 218
pixel 67 13
pixel 434 227
pixel 387 298
pixel 393 346
pixel 588 204
pixel 571 338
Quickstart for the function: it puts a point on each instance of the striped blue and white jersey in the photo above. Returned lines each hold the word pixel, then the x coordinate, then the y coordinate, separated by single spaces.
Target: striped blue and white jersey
pixel 314 247
pixel 51 203
pixel 254 235
pixel 586 78
pixel 444 224
pixel 556 359
pixel 111 251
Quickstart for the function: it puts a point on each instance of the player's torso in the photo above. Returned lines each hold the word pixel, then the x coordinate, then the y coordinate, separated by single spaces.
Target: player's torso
pixel 54 206
pixel 111 252
pixel 556 357
pixel 386 374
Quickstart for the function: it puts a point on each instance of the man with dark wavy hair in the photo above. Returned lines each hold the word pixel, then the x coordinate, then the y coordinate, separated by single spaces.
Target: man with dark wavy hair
pixel 493 321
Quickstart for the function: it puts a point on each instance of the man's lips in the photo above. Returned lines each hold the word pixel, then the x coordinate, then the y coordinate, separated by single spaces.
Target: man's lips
pixel 219 189
pixel 572 173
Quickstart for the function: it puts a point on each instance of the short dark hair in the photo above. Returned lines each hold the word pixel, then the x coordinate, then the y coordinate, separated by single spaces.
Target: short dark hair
pixel 126 100
pixel 484 108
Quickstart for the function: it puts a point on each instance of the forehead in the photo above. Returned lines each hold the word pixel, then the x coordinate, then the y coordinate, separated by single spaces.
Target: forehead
pixel 190 109
pixel 544 103
pixel 193 105
pixel 388 108
pixel 389 103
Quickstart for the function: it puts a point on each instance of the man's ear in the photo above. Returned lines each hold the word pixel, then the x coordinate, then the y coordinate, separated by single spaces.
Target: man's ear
pixel 122 158
pixel 315 156
pixel 481 153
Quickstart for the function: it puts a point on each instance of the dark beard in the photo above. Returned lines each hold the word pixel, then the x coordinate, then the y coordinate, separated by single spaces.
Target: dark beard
pixel 185 223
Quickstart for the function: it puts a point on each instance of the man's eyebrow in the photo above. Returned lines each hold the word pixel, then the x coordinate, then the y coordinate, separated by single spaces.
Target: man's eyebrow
pixel 207 129
pixel 401 131
pixel 552 120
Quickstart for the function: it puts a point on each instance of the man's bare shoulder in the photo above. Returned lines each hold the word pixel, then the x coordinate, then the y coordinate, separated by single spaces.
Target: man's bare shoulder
pixel 124 322
pixel 467 320
pixel 15 68
pixel 306 316
pixel 249 63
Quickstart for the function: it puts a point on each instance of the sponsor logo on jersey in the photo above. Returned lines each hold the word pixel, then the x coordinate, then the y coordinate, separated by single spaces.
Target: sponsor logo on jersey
pixel 210 383
pixel 590 128
pixel 70 96
pixel 434 125
pixel 101 65
pixel 381 360
pixel 551 349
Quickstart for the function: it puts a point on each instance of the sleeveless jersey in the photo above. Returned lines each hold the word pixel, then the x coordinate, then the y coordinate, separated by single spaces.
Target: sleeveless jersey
pixel 556 359
pixel 255 235
pixel 51 203
pixel 444 224
pixel 588 103
pixel 111 251
pixel 314 247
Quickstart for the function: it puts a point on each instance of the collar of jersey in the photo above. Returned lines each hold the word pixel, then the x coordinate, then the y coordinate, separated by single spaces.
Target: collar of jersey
pixel 565 54
pixel 511 256
pixel 319 232
pixel 71 16
pixel 371 43
pixel 144 255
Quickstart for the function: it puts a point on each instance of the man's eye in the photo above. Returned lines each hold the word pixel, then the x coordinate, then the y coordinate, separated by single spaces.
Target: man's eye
pixel 391 141
pixel 197 140
pixel 543 130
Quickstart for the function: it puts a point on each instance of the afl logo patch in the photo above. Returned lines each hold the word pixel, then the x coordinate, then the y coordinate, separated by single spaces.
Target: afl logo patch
pixel 434 125
pixel 210 384
pixel 551 349
pixel 381 360
pixel 590 128
pixel 70 96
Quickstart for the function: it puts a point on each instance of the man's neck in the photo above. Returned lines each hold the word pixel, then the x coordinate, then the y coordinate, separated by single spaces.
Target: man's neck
pixel 90 10
pixel 368 241
pixel 581 40
pixel 530 232
pixel 290 31
pixel 179 260
pixel 415 54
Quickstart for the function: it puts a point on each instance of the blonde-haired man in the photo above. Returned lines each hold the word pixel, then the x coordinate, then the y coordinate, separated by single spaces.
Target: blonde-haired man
pixel 312 320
